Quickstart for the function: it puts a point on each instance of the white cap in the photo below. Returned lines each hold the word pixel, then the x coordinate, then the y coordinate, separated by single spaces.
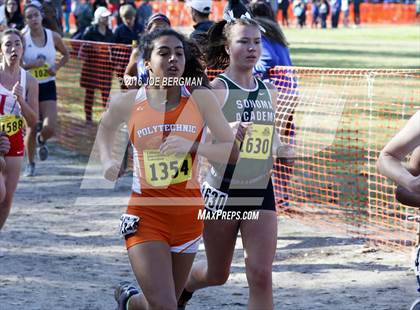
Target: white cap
pixel 202 6
pixel 101 12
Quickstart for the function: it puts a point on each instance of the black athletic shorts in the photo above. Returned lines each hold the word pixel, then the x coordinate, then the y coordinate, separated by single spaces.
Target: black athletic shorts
pixel 47 91
pixel 243 199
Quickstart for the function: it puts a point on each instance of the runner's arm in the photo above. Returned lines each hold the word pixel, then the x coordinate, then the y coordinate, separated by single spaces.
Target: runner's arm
pixel 389 161
pixel 30 107
pixel 59 45
pixel 33 64
pixel 130 78
pixel 403 195
pixel 219 127
pixel 131 69
pixel 117 113
pixel 219 90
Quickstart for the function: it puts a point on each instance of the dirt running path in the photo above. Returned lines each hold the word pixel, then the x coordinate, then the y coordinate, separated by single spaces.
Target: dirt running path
pixel 55 254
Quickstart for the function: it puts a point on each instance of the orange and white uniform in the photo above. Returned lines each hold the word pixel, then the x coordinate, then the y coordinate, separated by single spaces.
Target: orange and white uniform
pixel 166 192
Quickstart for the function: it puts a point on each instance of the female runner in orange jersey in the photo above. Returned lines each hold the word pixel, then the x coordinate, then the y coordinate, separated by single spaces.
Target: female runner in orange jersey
pixel 166 126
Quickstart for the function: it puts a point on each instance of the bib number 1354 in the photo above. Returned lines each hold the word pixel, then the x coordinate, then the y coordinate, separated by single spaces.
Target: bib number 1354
pixel 163 170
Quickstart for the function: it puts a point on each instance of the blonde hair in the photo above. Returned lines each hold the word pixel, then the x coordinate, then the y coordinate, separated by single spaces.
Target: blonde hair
pixel 127 9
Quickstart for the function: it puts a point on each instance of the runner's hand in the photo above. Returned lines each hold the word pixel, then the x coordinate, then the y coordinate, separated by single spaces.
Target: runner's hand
pixel 240 129
pixel 414 185
pixel 52 71
pixel 175 145
pixel 2 164
pixel 286 153
pixel 4 144
pixel 112 170
pixel 17 91
pixel 39 62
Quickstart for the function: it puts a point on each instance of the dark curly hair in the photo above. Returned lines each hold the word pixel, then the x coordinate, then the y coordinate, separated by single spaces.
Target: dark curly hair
pixel 193 57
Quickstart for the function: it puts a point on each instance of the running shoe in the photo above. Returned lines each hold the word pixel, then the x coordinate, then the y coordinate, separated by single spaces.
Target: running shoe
pixel 122 293
pixel 415 305
pixel 184 299
pixel 29 170
pixel 42 148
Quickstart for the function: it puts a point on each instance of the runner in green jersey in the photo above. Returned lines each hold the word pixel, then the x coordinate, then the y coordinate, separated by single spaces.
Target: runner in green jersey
pixel 232 191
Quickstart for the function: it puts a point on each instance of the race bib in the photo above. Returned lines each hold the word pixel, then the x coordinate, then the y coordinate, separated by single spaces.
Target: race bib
pixel 40 73
pixel 163 170
pixel 11 124
pixel 258 146
pixel 214 200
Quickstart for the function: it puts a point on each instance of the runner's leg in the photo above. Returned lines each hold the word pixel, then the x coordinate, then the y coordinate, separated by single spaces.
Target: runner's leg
pixel 219 240
pixel 152 265
pixel 48 110
pixel 12 173
pixel 259 238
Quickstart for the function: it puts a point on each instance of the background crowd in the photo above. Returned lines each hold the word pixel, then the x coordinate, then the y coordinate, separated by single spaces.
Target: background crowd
pixel 128 17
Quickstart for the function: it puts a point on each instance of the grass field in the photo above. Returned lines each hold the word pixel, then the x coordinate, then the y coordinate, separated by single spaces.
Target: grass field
pixel 366 47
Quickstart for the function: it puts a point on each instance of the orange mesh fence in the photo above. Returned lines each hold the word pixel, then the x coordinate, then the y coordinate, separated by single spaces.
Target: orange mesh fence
pixel 84 86
pixel 388 13
pixel 338 120
pixel 342 120
pixel 370 13
pixel 376 13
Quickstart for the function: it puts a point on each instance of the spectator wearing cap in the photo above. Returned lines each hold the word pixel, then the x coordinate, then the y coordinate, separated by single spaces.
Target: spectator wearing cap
pixel 129 30
pixel 97 67
pixel 99 30
pixel 200 11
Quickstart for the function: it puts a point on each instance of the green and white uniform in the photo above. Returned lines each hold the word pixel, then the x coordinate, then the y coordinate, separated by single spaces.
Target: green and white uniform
pixel 253 170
